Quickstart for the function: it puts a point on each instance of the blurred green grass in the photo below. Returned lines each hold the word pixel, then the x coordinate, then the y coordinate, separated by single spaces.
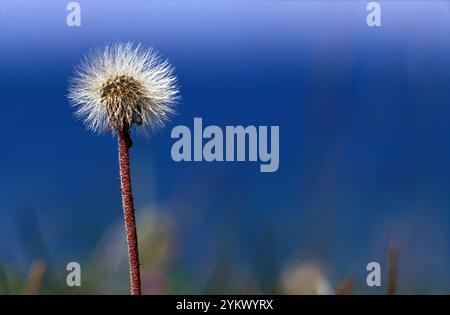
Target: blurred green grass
pixel 105 270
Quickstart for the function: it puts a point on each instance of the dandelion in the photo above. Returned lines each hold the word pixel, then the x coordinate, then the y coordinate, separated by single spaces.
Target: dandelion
pixel 305 278
pixel 114 89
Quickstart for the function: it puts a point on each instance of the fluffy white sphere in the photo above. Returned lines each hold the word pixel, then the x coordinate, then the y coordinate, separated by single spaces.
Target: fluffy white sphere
pixel 123 85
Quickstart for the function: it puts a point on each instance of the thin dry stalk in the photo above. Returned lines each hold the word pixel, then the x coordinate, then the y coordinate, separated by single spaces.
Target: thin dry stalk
pixel 346 287
pixel 393 270
pixel 35 276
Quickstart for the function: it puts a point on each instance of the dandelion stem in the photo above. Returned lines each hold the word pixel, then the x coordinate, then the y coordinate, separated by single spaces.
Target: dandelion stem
pixel 128 210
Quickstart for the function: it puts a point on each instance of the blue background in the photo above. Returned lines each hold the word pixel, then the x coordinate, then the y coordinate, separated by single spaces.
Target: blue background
pixel 364 122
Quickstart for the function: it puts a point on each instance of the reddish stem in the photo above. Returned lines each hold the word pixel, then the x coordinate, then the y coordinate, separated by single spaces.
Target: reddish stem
pixel 393 270
pixel 128 210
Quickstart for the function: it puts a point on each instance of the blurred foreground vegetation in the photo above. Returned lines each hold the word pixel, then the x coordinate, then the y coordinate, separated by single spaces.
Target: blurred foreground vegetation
pixel 105 270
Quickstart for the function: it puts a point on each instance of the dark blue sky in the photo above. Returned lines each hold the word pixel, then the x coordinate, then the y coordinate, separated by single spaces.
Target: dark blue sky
pixel 364 131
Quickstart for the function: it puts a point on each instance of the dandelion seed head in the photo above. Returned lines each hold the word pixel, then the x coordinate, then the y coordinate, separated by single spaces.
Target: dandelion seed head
pixel 123 85
pixel 305 278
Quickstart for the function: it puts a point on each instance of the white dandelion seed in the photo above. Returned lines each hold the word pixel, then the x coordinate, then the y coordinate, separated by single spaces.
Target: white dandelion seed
pixel 121 86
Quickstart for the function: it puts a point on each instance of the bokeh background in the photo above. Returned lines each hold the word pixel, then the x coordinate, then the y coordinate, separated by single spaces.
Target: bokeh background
pixel 364 116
